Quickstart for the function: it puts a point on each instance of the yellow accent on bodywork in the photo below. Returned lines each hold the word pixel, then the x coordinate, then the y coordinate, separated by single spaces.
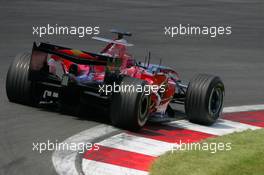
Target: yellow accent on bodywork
pixel 76 52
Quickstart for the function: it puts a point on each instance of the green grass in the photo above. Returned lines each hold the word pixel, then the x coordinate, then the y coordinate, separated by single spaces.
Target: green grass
pixel 245 158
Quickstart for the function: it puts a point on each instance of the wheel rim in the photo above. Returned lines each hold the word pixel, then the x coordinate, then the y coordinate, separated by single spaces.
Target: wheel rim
pixel 143 110
pixel 215 102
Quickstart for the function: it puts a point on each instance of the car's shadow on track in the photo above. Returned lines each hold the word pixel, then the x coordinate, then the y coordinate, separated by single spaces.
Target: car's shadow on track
pixel 86 113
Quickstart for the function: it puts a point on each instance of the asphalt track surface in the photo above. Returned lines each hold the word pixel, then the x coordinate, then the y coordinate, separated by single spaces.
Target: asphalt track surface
pixel 238 58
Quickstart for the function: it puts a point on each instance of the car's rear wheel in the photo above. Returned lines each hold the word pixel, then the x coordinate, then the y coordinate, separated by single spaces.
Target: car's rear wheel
pixel 19 88
pixel 129 108
pixel 204 99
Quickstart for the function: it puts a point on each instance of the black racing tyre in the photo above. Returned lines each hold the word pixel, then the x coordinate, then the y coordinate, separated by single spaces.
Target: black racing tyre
pixel 130 109
pixel 204 99
pixel 19 88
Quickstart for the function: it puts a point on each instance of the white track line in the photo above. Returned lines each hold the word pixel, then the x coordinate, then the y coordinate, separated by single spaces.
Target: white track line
pixel 137 144
pixel 64 160
pixel 243 108
pixel 221 127
pixel 91 167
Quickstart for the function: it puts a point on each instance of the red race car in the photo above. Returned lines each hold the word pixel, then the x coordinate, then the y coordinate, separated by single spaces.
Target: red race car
pixel 131 92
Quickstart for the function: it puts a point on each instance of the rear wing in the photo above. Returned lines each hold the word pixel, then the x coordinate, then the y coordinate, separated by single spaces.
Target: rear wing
pixel 40 54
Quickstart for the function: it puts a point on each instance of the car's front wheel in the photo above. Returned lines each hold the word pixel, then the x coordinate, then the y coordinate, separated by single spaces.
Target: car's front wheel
pixel 204 99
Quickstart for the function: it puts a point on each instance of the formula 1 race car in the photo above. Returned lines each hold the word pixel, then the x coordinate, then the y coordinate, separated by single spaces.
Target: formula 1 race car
pixel 131 91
